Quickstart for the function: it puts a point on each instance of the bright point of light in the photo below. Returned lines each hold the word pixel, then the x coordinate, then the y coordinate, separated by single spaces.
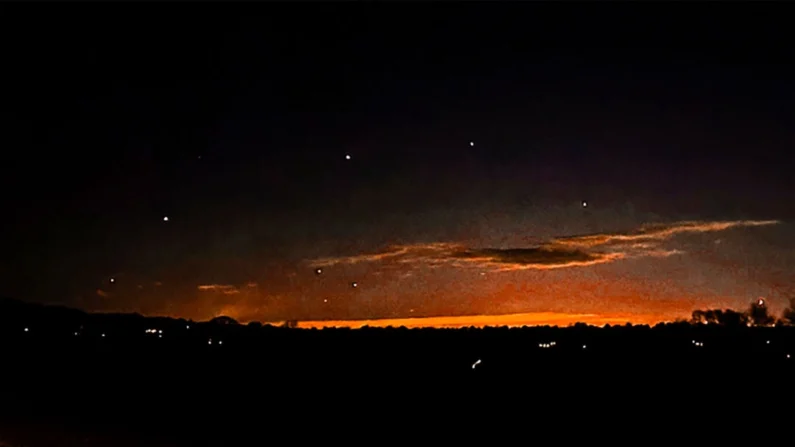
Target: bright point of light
pixel 584 204
pixel 103 335
pixel 476 364
pixel 767 342
pixel 319 271
pixel 354 284
pixel 347 157
pixel 165 218
pixel 26 329
pixel 583 346
pixel 210 341
pixel 75 333
pixel 187 326
pixel 471 144
pixel 160 336
pixel 787 355
pixel 325 300
pixel 112 280
pixel 160 331
pixel 220 342
pixel 761 302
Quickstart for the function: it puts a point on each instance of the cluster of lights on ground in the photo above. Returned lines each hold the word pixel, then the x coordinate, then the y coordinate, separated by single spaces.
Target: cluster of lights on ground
pixel 547 345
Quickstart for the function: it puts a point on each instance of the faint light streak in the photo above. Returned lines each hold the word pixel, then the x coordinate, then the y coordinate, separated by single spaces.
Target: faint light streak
pixel 476 364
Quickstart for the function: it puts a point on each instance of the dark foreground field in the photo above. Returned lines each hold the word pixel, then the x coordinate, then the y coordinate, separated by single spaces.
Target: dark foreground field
pixel 264 385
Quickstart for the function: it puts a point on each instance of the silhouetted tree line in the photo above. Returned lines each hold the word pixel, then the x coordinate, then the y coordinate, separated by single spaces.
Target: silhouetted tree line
pixel 758 314
pixel 45 319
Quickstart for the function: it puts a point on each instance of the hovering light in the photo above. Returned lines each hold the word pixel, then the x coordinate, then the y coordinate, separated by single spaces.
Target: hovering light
pixel 354 284
pixel 220 342
pixel 160 331
pixel 165 218
pixel 210 341
pixel 411 310
pixel 112 280
pixel 160 336
pixel 103 335
pixel 26 329
pixel 761 302
pixel 476 364
pixel 318 271
pixel 471 144
pixel 347 157
pixel 787 355
pixel 325 300
pixel 584 204
pixel 767 342
pixel 75 334
pixel 583 346
pixel 187 326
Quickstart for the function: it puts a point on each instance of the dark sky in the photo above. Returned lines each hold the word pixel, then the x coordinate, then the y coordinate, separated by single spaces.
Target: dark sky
pixel 675 125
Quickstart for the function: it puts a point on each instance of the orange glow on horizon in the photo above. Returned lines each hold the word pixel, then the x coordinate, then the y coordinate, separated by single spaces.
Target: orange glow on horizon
pixel 510 320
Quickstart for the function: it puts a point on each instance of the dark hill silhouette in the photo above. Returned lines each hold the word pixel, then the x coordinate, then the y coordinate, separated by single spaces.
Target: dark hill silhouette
pixel 201 382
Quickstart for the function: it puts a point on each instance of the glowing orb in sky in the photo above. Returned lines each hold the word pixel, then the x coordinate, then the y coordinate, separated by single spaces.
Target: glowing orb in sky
pixel 347 157
pixel 165 218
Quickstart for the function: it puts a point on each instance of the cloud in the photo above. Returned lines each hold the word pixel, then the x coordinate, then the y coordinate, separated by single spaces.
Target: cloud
pixel 226 289
pixel 562 252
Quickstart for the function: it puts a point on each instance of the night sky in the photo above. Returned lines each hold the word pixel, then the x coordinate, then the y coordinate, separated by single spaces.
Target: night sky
pixel 476 133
